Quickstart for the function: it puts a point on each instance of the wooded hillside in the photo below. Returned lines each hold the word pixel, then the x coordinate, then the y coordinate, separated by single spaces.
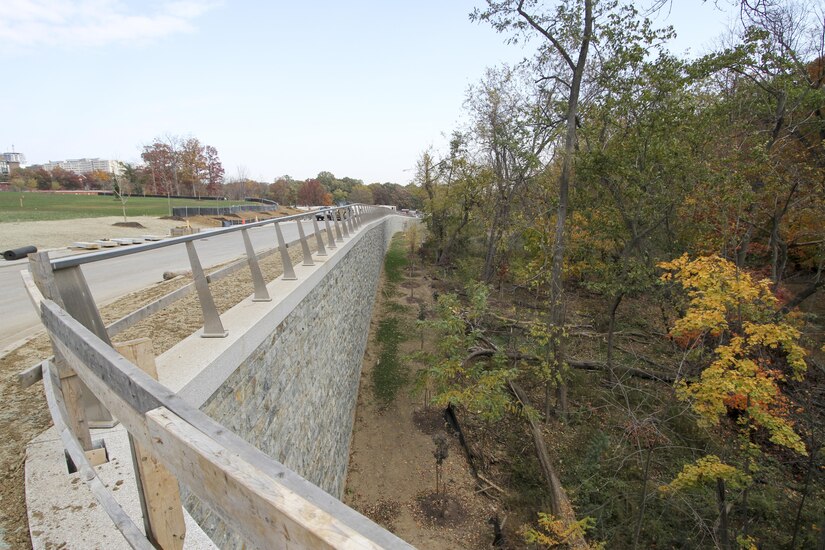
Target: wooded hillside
pixel 632 246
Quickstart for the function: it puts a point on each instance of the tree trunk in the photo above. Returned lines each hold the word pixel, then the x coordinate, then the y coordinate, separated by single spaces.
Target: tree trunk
pixel 724 543
pixel 805 492
pixel 611 327
pixel 556 283
pixel 559 504
pixel 643 499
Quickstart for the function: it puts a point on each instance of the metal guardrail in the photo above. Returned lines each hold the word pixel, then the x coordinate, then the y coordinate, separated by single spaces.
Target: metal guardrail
pixel 280 508
pixel 186 211
pixel 71 284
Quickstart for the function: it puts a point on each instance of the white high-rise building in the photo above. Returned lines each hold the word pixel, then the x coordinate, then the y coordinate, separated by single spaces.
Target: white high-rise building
pixel 9 161
pixel 84 166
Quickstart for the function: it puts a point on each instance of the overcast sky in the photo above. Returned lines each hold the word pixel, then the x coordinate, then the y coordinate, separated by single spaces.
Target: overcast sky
pixel 358 87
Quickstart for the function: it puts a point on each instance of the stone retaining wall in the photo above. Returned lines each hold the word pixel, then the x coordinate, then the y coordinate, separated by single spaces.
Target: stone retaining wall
pixel 294 395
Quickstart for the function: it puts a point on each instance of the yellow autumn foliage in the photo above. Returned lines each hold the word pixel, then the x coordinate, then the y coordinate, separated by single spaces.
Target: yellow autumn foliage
pixel 707 470
pixel 760 348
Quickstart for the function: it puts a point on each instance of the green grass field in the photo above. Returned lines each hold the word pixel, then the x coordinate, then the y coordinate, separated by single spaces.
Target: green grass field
pixel 54 206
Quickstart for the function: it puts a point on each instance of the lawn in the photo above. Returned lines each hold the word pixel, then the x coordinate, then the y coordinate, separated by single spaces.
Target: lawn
pixel 56 206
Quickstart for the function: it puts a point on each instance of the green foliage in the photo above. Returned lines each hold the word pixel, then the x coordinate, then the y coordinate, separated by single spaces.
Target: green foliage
pixel 395 260
pixel 480 385
pixel 390 372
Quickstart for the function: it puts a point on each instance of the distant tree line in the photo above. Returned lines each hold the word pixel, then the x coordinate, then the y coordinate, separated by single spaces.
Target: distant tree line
pixel 178 166
pixel 326 189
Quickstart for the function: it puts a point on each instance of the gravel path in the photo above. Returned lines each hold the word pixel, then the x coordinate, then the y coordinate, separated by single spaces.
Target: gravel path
pixel 62 233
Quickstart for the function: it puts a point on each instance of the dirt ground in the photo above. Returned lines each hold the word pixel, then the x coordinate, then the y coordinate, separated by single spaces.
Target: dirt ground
pixel 62 233
pixel 391 473
pixel 23 413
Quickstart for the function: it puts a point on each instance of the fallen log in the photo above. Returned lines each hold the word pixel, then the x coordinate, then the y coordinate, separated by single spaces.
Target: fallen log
pixel 559 503
pixel 472 457
pixel 575 364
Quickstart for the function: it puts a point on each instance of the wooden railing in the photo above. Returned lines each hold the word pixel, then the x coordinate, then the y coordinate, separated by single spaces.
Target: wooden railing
pixel 269 505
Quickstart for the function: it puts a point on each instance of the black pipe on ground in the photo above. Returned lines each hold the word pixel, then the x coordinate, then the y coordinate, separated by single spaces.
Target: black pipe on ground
pixel 18 253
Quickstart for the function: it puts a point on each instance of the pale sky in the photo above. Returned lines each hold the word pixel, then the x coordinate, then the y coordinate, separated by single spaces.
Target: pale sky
pixel 358 88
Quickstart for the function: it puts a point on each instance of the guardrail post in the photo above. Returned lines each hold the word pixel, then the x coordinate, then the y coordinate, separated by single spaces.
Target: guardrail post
pixel 212 326
pixel 358 216
pixel 289 273
pixel 318 239
pixel 157 487
pixel 342 212
pixel 339 237
pixel 330 233
pixel 304 244
pixel 351 220
pixel 261 294
pixel 346 217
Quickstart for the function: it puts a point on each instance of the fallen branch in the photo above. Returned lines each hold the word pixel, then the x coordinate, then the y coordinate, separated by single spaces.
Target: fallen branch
pixel 581 365
pixel 559 503
pixel 493 485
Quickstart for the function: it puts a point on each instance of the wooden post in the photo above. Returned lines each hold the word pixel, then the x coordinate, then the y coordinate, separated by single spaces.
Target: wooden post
pixel 157 487
pixel 73 388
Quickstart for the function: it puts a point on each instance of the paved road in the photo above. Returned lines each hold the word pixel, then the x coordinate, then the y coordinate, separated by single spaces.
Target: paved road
pixel 110 279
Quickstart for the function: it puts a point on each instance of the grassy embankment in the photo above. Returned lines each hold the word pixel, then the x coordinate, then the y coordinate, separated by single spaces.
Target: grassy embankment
pixel 58 206
pixel 390 373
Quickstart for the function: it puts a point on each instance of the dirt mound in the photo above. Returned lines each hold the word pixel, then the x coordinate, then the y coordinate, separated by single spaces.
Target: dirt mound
pixel 441 510
pixel 136 225
pixel 384 512
pixel 204 221
pixel 429 420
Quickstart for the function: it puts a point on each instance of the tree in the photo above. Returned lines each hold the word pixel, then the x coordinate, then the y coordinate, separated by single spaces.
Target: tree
pixel 134 176
pixel 361 194
pixel 160 162
pixel 214 171
pixel 312 193
pixel 22 182
pixel 97 179
pixel 191 164
pixel 753 354
pixel 568 28
pixel 283 190
pixel 122 191
pixel 70 180
pixel 512 135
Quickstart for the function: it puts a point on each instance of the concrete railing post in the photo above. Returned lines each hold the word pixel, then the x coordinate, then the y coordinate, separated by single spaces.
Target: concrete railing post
pixel 339 237
pixel 330 233
pixel 289 273
pixel 261 294
pixel 344 222
pixel 212 326
pixel 304 245
pixel 349 221
pixel 318 239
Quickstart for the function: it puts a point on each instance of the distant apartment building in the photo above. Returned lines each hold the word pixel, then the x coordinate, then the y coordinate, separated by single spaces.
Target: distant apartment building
pixel 10 161
pixel 84 166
